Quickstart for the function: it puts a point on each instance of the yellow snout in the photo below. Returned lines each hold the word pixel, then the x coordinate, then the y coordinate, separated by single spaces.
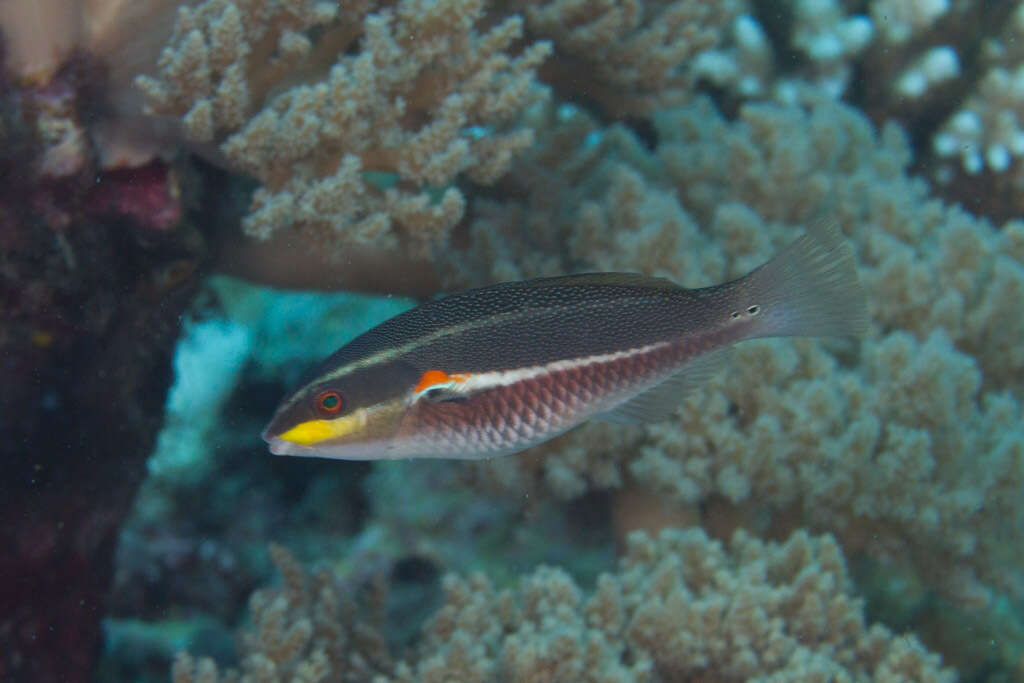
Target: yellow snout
pixel 317 431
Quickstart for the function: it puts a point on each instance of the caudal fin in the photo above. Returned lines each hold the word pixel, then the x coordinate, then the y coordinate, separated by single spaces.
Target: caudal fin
pixel 810 289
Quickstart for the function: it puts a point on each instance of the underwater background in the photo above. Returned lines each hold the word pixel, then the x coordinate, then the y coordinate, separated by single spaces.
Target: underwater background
pixel 199 201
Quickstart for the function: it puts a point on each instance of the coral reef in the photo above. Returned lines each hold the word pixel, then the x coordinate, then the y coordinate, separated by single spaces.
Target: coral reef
pixel 829 40
pixel 679 606
pixel 987 131
pixel 310 629
pixel 410 146
pixel 635 52
pixel 369 153
pixel 917 456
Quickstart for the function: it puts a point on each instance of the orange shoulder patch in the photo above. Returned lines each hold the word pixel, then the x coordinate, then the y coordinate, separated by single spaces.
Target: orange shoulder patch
pixel 434 378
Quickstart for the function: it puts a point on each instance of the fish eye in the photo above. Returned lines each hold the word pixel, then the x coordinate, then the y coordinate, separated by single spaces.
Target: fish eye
pixel 329 403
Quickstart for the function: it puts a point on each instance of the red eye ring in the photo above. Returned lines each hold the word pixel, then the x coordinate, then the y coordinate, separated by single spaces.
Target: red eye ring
pixel 329 402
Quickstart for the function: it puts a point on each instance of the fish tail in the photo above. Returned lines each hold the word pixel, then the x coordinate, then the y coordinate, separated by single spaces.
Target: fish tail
pixel 809 289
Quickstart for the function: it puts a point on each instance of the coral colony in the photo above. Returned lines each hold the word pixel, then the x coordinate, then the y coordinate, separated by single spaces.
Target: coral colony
pixel 819 510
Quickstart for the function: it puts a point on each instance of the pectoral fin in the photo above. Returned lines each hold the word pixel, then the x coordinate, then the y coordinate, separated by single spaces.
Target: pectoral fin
pixel 437 386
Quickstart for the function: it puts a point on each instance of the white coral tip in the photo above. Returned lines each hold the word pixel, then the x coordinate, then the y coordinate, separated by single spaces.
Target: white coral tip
pixel 856 33
pixel 998 158
pixel 941 63
pixel 945 145
pixel 972 160
pixel 912 84
pixel 966 123
pixel 749 35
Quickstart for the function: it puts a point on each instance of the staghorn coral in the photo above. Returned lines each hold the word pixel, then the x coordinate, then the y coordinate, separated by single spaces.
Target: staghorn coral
pixel 829 39
pixel 917 456
pixel 413 99
pixel 639 55
pixel 987 132
pixel 307 630
pixel 899 22
pixel 679 607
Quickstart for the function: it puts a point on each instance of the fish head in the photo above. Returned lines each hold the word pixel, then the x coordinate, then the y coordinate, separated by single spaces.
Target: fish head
pixel 355 415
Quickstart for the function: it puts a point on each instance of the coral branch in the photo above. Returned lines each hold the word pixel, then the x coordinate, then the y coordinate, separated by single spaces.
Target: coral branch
pixel 368 153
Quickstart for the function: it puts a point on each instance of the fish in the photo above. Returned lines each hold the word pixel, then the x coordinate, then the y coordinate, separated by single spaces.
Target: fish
pixel 496 370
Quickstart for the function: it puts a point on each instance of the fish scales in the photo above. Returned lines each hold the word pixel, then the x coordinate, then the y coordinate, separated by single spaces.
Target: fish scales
pixel 534 409
pixel 498 369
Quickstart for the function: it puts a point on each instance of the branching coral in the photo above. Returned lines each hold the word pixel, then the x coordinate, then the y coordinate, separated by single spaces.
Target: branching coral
pixel 988 131
pixel 679 607
pixel 639 54
pixel 305 631
pixel 415 98
pixel 918 456
pixel 898 22
pixel 829 39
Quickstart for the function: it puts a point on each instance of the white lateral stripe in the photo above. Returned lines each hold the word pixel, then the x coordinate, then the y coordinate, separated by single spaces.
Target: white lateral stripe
pixel 452 384
pixel 503 378
pixel 396 351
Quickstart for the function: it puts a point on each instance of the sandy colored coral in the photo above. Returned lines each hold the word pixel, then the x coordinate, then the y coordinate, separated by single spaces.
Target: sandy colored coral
pixel 829 39
pixel 899 21
pixel 678 607
pixel 639 54
pixel 369 151
pixel 907 447
pixel 986 133
pixel 312 628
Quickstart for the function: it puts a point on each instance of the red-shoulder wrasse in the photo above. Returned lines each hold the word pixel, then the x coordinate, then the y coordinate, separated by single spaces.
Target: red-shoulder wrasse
pixel 495 370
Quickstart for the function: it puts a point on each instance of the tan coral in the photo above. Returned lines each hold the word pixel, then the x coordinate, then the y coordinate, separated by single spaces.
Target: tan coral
pixel 679 607
pixel 911 455
pixel 369 154
pixel 309 631
pixel 636 55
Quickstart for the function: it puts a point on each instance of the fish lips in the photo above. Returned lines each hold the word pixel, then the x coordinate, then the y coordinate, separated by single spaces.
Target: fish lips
pixel 287 415
pixel 279 446
pixel 275 443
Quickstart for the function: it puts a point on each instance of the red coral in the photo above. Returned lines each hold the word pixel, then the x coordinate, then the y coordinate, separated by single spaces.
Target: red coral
pixel 147 197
